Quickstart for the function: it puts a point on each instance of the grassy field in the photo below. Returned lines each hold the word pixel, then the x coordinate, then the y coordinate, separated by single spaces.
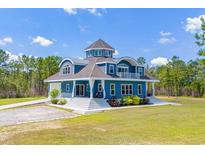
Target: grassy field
pixel 6 101
pixel 168 124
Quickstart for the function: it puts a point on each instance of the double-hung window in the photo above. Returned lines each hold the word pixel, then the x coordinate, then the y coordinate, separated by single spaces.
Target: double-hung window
pixel 67 87
pixel 126 89
pixel 140 71
pixel 139 89
pixel 112 89
pixel 111 69
pixel 100 89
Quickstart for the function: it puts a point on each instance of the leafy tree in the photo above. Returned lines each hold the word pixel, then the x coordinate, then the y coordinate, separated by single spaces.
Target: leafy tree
pixel 141 60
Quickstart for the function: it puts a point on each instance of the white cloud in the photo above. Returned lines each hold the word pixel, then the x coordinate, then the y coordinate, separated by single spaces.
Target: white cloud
pixel 94 12
pixel 6 40
pixel 193 25
pixel 165 40
pixel 42 41
pixel 70 11
pixel 13 56
pixel 74 11
pixel 159 61
pixel 116 52
pixel 162 33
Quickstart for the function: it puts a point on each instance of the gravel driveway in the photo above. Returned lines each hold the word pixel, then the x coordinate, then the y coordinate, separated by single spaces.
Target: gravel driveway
pixel 32 114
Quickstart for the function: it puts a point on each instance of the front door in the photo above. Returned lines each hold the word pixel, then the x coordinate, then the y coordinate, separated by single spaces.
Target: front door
pixel 80 90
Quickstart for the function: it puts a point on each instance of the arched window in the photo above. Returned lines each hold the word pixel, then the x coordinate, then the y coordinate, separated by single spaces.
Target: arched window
pixel 66 69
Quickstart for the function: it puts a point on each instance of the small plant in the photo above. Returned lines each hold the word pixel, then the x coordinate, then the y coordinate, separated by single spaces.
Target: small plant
pixel 62 101
pixel 144 101
pixel 54 101
pixel 136 100
pixel 54 94
pixel 113 102
pixel 130 100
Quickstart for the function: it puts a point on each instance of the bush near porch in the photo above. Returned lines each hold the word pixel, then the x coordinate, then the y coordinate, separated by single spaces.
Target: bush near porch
pixel 128 100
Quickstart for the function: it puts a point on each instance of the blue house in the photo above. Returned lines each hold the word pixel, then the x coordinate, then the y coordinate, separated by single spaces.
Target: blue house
pixel 100 75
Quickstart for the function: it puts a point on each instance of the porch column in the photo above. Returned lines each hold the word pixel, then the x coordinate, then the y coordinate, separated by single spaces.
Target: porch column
pixel 153 89
pixel 91 83
pixel 103 86
pixel 73 92
pixel 146 89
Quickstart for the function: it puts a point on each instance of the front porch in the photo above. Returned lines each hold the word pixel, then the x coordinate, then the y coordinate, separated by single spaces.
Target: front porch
pixel 105 89
pixel 83 89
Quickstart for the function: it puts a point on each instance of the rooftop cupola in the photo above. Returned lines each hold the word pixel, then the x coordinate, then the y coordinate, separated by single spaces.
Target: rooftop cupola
pixel 99 49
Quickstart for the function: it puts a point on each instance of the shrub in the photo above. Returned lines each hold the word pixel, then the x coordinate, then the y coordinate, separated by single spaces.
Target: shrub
pixel 54 101
pixel 130 100
pixel 144 101
pixel 113 102
pixel 135 100
pixel 54 93
pixel 62 101
pixel 126 100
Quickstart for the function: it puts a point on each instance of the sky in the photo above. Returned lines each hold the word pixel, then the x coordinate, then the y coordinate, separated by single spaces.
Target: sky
pixel 156 34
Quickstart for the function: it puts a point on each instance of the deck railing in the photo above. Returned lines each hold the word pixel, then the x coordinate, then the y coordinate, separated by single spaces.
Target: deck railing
pixel 128 75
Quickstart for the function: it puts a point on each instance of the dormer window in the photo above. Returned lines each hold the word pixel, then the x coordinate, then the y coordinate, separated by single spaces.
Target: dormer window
pixel 111 69
pixel 66 70
pixel 140 71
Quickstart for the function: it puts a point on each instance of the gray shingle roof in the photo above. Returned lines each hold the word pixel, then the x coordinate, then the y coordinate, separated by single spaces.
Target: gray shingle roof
pixel 91 70
pixel 99 44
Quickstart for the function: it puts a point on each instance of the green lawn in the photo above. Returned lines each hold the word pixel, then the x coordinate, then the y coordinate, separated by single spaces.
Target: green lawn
pixel 6 101
pixel 168 124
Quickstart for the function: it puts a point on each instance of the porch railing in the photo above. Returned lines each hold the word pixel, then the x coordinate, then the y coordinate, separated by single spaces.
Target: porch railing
pixel 128 75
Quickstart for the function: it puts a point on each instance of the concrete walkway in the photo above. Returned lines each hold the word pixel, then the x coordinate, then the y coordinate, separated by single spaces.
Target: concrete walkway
pixel 2 107
pixel 81 110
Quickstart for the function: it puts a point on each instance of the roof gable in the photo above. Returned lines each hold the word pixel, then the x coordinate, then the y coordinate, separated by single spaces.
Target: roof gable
pixel 99 44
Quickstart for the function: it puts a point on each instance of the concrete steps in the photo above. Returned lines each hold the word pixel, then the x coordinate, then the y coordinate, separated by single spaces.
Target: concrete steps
pixel 87 103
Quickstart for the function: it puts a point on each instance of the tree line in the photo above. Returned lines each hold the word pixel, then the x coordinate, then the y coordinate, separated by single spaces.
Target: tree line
pixel 24 76
pixel 178 78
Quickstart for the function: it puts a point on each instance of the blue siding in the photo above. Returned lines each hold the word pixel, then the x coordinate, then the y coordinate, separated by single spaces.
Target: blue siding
pixel 87 87
pixel 107 88
pixel 78 68
pixel 142 69
pixel 108 65
pixel 118 88
pixel 63 86
pixel 95 89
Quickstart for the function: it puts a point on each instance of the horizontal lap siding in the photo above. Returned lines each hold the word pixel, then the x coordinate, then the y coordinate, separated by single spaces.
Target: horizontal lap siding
pixel 118 88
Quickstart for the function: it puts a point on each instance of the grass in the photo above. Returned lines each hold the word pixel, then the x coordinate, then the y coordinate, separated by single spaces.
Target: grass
pixel 6 101
pixel 168 124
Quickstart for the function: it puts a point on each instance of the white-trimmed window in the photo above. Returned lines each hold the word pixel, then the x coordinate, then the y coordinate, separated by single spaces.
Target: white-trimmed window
pixel 140 71
pixel 111 69
pixel 100 89
pixel 106 53
pixel 100 52
pixel 67 87
pixel 139 89
pixel 112 89
pixel 66 69
pixel 126 89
